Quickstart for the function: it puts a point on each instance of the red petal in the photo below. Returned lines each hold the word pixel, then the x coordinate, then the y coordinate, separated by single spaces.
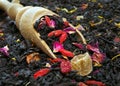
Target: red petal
pixel 98 57
pixel 116 39
pixel 80 46
pixel 65 66
pixel 41 72
pixel 93 48
pixel 47 19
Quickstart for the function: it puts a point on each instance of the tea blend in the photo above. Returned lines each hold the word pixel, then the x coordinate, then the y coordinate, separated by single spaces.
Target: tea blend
pixel 23 64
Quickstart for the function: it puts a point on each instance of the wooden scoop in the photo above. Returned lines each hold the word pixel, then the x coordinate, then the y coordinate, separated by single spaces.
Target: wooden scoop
pixel 25 17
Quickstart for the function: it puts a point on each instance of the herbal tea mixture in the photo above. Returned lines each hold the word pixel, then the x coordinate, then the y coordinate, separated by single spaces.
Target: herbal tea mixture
pixel 24 64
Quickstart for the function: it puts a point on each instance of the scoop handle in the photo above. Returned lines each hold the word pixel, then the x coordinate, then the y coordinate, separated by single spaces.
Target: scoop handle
pixel 7 6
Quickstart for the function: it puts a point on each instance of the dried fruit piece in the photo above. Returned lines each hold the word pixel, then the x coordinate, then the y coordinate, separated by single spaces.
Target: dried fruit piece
pixel 93 82
pixel 32 57
pixel 82 84
pixel 66 53
pixel 63 37
pixel 82 63
pixel 51 34
pixel 41 72
pixel 58 32
pixel 65 66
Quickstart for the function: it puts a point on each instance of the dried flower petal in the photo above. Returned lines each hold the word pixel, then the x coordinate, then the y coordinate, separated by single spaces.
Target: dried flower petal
pixel 57 46
pixel 98 57
pixel 41 72
pixel 49 22
pixel 93 48
pixel 4 50
pixel 80 46
pixel 70 30
pixel 32 57
pixel 65 66
pixel 117 39
pixel 93 82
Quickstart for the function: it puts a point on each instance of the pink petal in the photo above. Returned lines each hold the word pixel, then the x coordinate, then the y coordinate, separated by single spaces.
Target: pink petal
pixel 98 57
pixel 81 28
pixel 80 46
pixel 70 30
pixel 57 46
pixel 4 50
pixel 93 48
pixel 52 24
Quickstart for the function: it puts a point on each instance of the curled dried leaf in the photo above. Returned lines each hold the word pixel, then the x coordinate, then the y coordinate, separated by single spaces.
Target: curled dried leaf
pixel 32 57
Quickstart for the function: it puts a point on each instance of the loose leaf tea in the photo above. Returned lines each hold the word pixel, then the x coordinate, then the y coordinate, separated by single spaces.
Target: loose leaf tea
pixel 97 20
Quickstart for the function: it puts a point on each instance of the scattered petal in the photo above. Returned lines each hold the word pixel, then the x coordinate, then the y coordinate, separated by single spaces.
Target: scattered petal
pixel 84 6
pixel 80 46
pixel 70 30
pixel 57 46
pixel 117 39
pixel 115 57
pixel 49 22
pixel 117 25
pixel 79 17
pixel 98 57
pixel 32 57
pixel 41 72
pixel 4 50
pixel 93 48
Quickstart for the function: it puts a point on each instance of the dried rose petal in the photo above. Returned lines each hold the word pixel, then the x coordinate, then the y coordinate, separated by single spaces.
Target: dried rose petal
pixel 65 66
pixel 70 30
pixel 57 46
pixel 52 24
pixel 4 50
pixel 49 22
pixel 98 57
pixel 93 48
pixel 80 46
pixel 117 39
